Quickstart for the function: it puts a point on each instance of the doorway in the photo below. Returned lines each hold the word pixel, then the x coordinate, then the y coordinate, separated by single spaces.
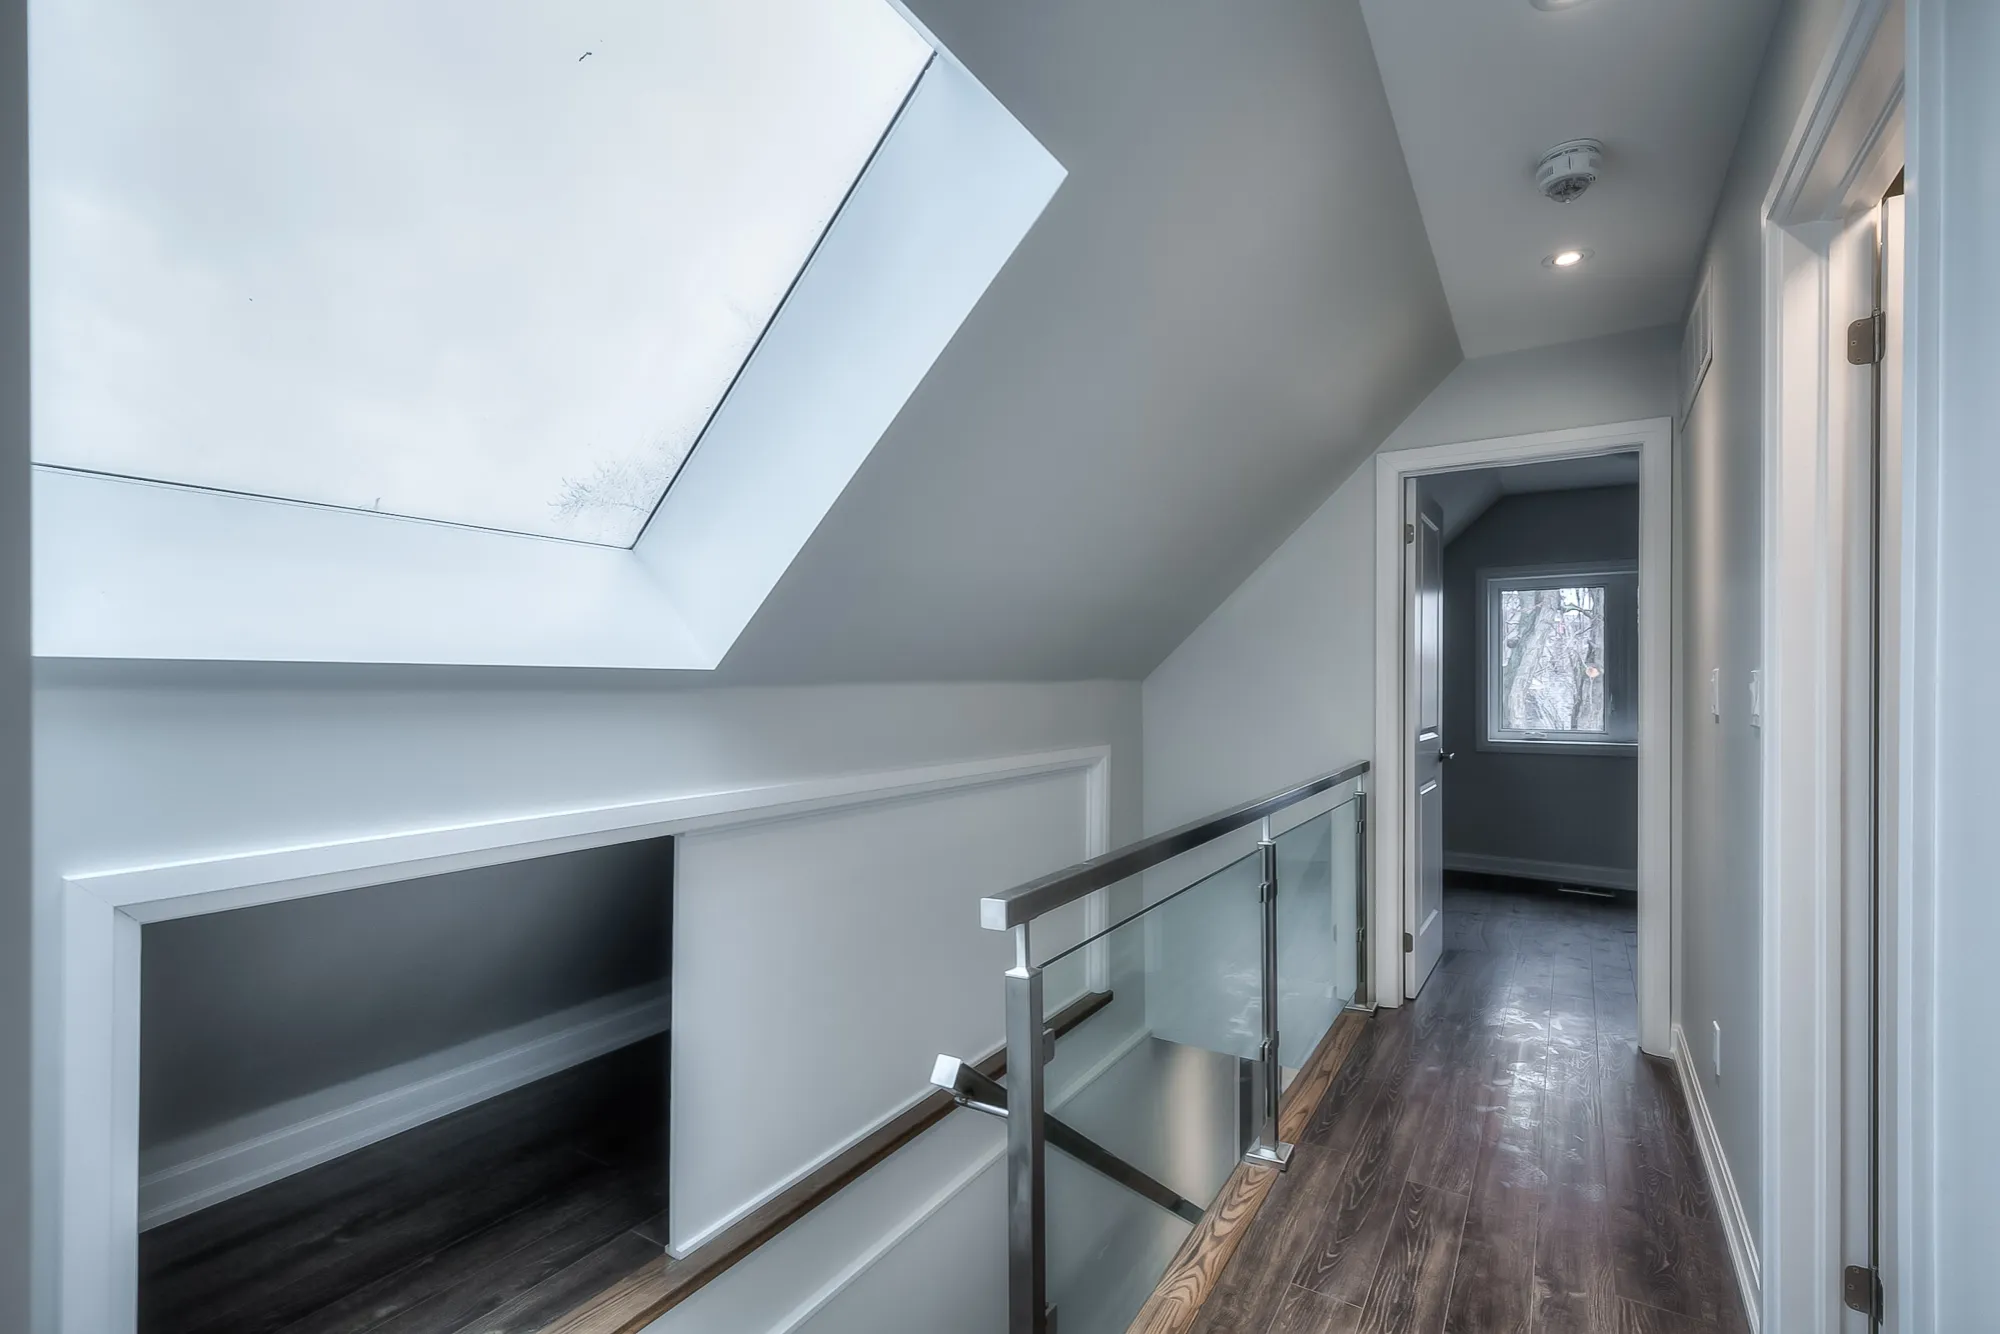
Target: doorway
pixel 1524 654
pixel 1408 884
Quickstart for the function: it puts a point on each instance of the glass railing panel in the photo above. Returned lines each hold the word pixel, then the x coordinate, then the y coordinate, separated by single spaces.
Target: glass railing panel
pixel 1057 934
pixel 1317 925
pixel 1165 1079
pixel 1107 1248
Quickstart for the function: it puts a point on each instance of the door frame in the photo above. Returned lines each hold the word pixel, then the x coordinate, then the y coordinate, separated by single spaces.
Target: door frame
pixel 1652 439
pixel 1842 154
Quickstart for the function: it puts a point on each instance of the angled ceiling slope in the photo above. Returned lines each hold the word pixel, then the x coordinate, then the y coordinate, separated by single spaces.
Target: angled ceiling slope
pixel 1482 88
pixel 1465 496
pixel 1228 304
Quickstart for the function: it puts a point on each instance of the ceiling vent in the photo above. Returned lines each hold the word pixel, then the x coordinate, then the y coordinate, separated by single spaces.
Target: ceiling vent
pixel 1568 169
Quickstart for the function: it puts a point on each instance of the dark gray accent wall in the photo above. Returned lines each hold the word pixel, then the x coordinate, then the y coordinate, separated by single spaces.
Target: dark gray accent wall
pixel 16 914
pixel 245 1009
pixel 1573 809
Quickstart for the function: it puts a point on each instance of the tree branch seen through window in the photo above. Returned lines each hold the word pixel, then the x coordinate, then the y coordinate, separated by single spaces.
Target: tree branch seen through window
pixel 1552 659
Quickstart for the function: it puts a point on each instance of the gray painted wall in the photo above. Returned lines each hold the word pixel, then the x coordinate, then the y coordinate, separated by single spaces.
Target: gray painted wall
pixel 1577 809
pixel 1279 682
pixel 249 1008
pixel 1719 498
pixel 16 747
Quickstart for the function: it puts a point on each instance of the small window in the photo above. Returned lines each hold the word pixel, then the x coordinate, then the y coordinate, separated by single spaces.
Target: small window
pixel 1560 658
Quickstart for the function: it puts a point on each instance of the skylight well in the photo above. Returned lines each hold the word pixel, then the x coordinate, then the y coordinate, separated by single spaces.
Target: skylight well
pixel 486 262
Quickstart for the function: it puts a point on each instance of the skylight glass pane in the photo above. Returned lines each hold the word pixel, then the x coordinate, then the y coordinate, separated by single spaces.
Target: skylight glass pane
pixel 493 262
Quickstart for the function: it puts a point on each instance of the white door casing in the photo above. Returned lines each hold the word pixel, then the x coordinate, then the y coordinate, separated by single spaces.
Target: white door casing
pixel 1652 438
pixel 1818 275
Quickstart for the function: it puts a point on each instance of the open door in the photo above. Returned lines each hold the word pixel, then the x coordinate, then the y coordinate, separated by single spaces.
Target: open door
pixel 1423 894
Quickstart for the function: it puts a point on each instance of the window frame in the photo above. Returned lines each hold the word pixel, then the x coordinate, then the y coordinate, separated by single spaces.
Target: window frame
pixel 1620 580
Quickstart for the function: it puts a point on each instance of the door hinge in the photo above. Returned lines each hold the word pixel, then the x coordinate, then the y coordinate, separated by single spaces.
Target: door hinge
pixel 1864 340
pixel 1409 945
pixel 1861 1290
pixel 1409 532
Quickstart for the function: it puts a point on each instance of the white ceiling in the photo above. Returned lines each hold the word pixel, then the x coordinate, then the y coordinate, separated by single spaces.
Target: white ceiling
pixel 1464 496
pixel 1480 89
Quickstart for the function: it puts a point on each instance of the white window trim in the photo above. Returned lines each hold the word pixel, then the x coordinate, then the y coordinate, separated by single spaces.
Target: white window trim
pixel 1621 684
pixel 135 570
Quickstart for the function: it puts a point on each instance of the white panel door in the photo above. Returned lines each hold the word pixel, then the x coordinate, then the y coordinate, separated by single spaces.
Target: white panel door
pixel 1423 910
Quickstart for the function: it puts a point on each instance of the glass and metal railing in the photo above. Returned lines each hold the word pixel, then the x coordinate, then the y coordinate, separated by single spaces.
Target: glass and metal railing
pixel 1227 947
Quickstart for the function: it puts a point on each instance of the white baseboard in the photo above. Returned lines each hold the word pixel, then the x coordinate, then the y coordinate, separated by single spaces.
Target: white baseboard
pixel 1736 1227
pixel 210 1166
pixel 1528 868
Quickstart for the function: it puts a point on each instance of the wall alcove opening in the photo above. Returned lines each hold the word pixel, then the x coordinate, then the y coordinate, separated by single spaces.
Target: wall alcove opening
pixel 431 1104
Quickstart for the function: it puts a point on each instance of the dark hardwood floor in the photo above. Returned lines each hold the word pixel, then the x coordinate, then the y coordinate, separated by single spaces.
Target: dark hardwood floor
pixel 498 1219
pixel 1497 1156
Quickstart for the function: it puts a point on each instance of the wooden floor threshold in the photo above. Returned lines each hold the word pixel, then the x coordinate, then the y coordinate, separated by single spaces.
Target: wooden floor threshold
pixel 634 1302
pixel 1192 1275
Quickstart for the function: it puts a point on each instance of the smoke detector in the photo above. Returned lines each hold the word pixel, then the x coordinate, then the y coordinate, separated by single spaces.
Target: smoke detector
pixel 1568 169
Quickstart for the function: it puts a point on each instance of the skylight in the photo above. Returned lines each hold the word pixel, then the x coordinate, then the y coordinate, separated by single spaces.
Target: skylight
pixel 488 262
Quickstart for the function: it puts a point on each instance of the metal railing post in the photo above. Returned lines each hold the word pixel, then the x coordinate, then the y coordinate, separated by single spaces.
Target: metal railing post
pixel 1027 1148
pixel 1364 903
pixel 1269 1149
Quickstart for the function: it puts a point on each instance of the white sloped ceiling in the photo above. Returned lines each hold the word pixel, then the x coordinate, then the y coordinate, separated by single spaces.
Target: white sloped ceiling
pixel 1229 303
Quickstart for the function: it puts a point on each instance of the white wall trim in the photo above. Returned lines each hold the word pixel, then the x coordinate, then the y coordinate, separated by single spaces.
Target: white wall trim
pixel 1735 1223
pixel 1841 154
pixel 846 1276
pixel 1531 868
pixel 159 891
pixel 1916 1286
pixel 102 913
pixel 1653 438
pixel 978 1167
pixel 240 1155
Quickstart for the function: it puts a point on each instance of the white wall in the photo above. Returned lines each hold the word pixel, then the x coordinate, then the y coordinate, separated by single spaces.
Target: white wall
pixel 15 799
pixel 1720 499
pixel 183 764
pixel 821 962
pixel 1278 683
pixel 1951 1165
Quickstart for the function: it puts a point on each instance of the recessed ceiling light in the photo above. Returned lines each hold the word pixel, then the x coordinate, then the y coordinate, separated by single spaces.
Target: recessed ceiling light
pixel 1557 4
pixel 1567 259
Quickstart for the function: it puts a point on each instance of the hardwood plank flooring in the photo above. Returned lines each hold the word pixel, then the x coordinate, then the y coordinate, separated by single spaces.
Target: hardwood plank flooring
pixel 1182 1293
pixel 497 1219
pixel 1497 1157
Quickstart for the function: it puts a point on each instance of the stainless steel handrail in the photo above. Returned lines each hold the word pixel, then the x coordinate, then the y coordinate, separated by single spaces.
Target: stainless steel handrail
pixel 1024 903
